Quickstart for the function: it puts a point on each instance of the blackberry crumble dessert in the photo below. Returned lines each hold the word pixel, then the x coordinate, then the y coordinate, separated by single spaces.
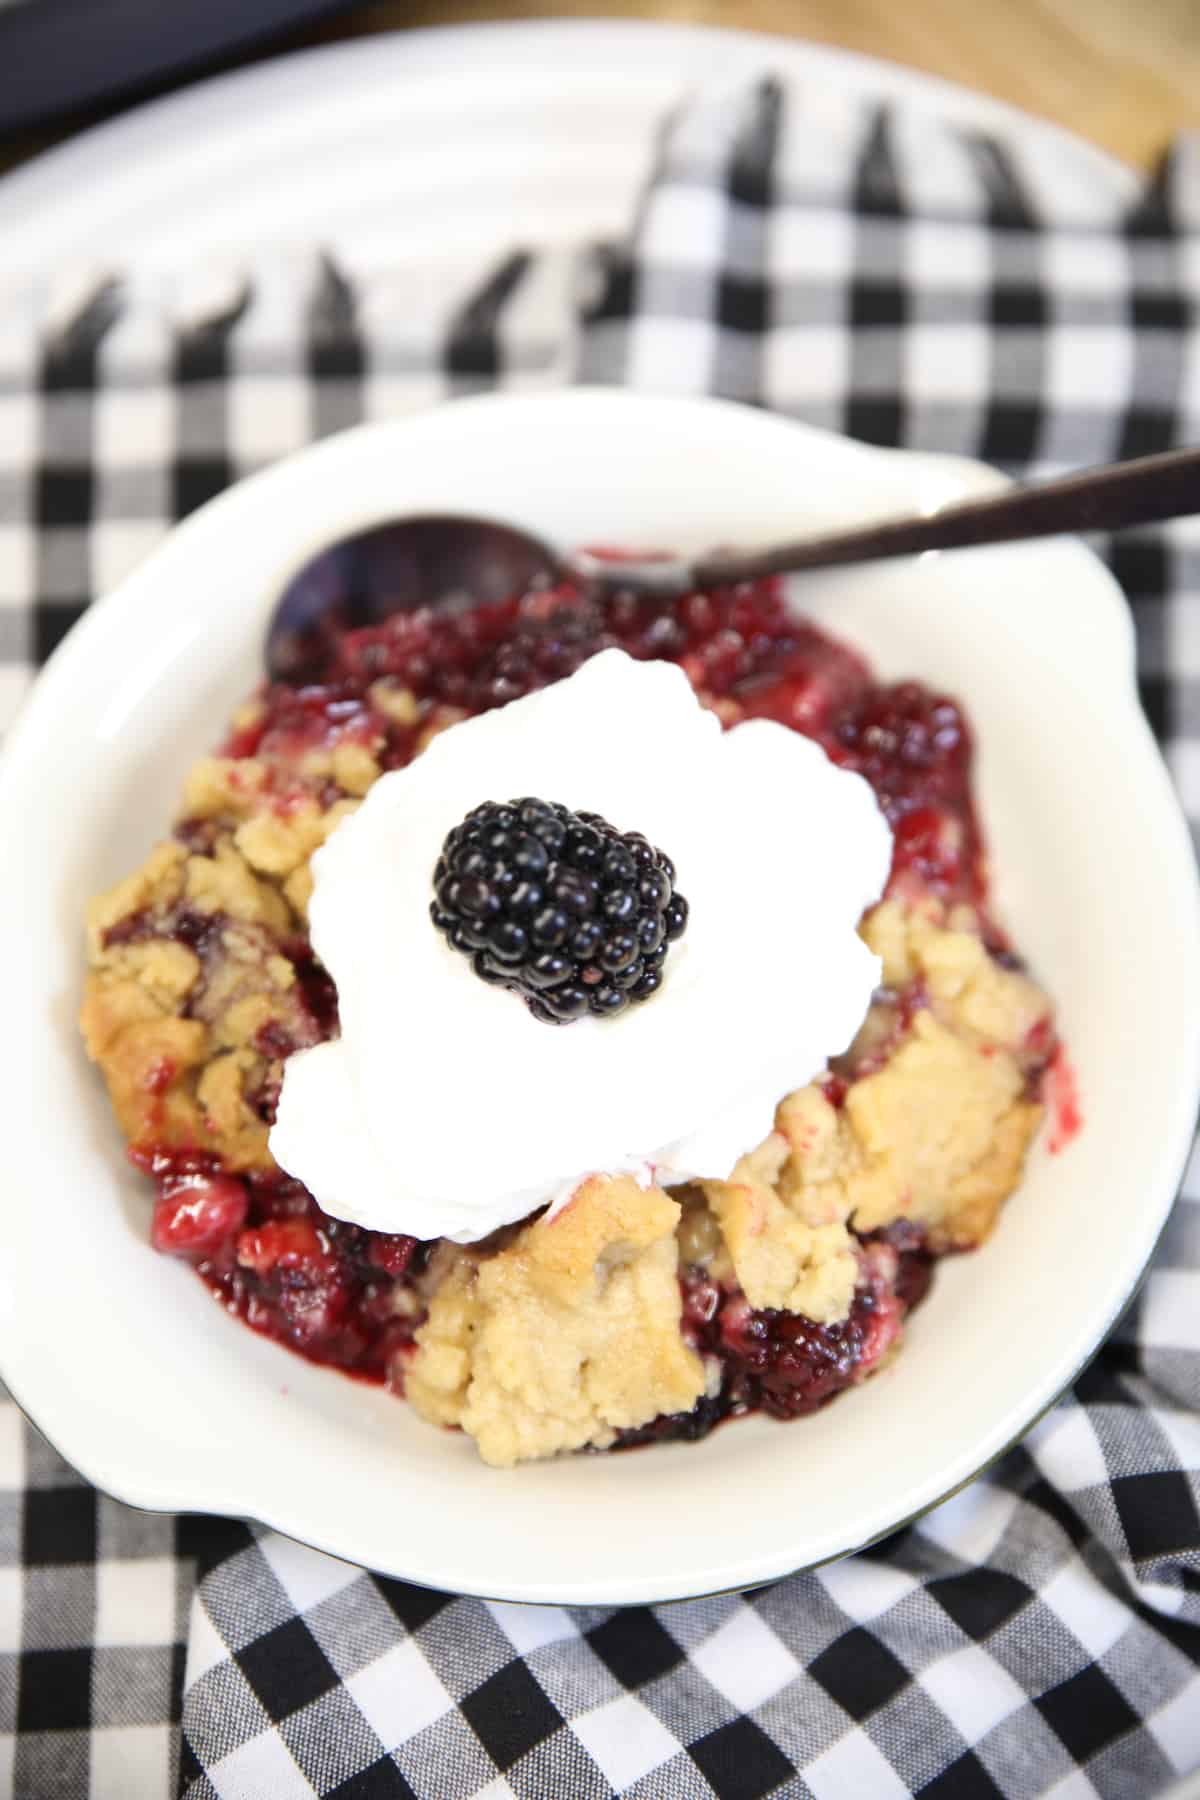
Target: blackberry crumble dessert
pixel 586 1019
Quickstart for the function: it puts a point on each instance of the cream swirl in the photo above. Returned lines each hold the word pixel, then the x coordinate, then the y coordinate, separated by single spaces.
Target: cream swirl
pixel 445 1109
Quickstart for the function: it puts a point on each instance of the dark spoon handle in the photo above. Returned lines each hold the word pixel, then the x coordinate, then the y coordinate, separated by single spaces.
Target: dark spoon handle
pixel 1129 493
pixel 1126 493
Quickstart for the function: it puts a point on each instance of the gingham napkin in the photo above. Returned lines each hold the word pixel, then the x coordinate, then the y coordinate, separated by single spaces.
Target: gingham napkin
pixel 862 268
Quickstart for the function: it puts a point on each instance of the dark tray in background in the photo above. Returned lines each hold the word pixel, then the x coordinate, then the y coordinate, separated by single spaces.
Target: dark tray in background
pixel 59 57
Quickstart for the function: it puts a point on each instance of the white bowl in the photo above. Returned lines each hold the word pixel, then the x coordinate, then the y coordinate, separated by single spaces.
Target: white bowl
pixel 120 1355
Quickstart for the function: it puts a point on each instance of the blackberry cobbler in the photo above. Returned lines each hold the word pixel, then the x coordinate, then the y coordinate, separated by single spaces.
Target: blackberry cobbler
pixel 651 1295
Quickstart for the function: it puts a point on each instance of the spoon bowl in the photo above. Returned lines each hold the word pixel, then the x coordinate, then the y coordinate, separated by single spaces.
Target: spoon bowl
pixel 437 560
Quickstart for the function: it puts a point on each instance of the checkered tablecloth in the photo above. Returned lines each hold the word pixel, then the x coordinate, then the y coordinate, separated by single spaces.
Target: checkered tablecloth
pixel 866 269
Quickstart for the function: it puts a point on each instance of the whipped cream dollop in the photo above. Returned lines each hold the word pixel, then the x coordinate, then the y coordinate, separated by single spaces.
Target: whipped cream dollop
pixel 445 1109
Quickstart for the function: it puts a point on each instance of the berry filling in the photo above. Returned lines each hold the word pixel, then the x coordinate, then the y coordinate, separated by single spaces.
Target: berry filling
pixel 330 1290
pixel 745 653
pixel 558 906
pixel 782 1363
pixel 575 917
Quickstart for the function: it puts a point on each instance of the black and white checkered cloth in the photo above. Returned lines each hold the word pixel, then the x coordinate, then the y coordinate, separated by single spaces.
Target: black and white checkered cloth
pixel 866 269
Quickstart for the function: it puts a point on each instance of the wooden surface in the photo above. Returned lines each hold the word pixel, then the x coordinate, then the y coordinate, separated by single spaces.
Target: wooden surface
pixel 1125 73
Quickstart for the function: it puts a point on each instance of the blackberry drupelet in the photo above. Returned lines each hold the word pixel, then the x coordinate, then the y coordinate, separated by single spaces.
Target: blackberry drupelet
pixel 559 906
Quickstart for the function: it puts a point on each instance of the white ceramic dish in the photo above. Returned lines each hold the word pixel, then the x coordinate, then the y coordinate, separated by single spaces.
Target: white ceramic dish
pixel 120 1355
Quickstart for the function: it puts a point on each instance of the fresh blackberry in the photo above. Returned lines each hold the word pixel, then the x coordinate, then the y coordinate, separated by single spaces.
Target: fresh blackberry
pixel 559 906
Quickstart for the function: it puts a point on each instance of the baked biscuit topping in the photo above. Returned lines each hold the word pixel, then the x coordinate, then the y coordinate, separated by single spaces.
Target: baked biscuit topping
pixel 565 1337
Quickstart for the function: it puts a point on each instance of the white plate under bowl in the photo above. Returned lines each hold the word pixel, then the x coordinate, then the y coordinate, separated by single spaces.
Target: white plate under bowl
pixel 416 145
pixel 122 1358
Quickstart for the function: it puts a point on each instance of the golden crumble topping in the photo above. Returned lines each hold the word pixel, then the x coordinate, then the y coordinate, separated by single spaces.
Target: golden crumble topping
pixel 565 1337
pixel 192 1001
pixel 936 1133
pixel 780 1259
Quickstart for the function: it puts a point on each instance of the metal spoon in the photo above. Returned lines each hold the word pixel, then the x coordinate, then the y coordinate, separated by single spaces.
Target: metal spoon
pixel 446 561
